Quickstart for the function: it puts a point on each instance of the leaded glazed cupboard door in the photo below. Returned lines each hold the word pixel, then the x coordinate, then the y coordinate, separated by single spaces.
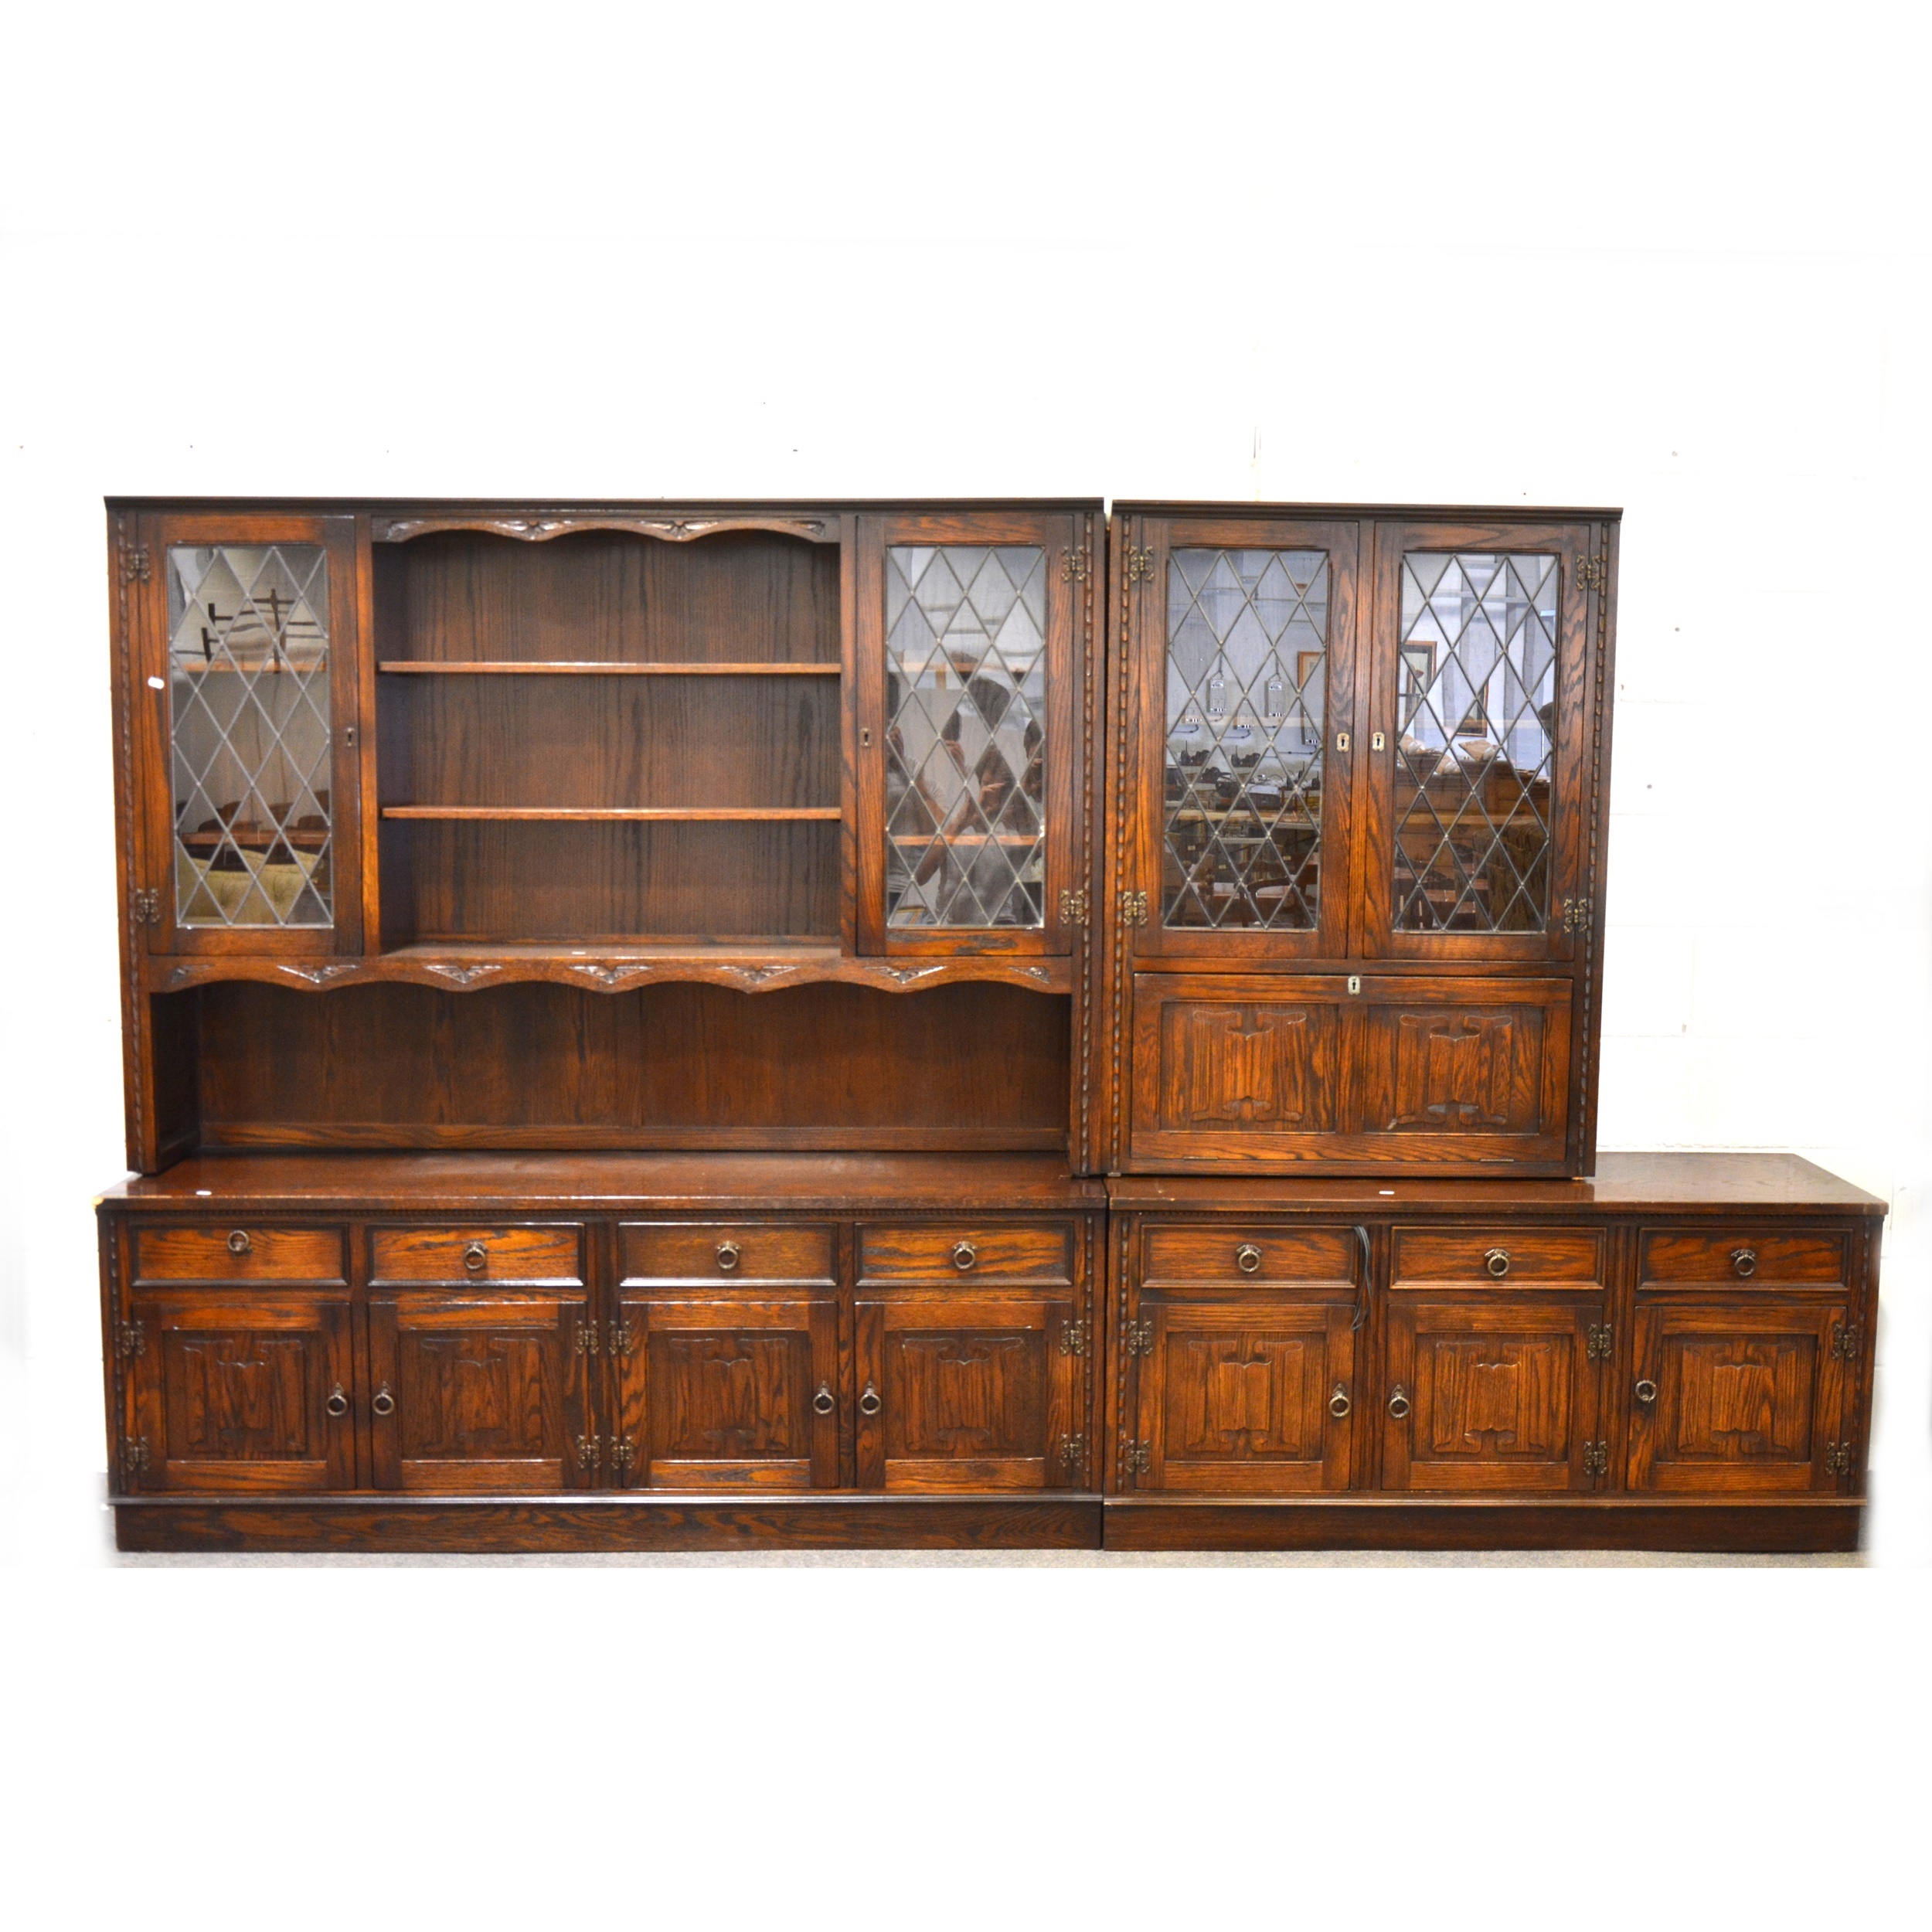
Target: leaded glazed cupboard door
pixel 1243 694
pixel 1480 762
pixel 242 723
pixel 968 732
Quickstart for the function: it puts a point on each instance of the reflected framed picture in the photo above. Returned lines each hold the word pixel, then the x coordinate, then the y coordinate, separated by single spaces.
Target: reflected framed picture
pixel 1418 673
pixel 1307 668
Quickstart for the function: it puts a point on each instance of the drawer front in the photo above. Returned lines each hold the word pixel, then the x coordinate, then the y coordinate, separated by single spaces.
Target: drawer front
pixel 725 1251
pixel 239 1251
pixel 967 1251
pixel 530 1256
pixel 1517 1256
pixel 1231 1252
pixel 1741 1255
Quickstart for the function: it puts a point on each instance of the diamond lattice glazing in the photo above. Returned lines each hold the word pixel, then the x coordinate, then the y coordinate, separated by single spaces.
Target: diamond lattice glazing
pixel 1476 756
pixel 1247 687
pixel 248 659
pixel 965 735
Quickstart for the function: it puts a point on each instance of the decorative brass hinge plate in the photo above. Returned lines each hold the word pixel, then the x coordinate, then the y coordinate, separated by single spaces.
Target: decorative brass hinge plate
pixel 1596 1458
pixel 134 1452
pixel 1133 909
pixel 1140 563
pixel 1838 1459
pixel 1073 1456
pixel 1073 1337
pixel 590 1452
pixel 1576 915
pixel 588 1341
pixel 1599 1339
pixel 623 1452
pixel 131 1339
pixel 1073 565
pixel 1136 1337
pixel 146 906
pixel 135 565
pixel 1073 908
pixel 1844 1340
pixel 1591 574
pixel 620 1340
pixel 1136 1458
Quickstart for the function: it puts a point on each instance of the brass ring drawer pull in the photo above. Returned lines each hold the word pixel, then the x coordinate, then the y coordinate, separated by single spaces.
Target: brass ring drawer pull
pixel 1338 1404
pixel 1647 1392
pixel 1497 1261
pixel 869 1403
pixel 728 1254
pixel 382 1403
pixel 964 1255
pixel 825 1402
pixel 1247 1257
pixel 1745 1261
pixel 1399 1403
pixel 338 1402
pixel 238 1243
pixel 476 1257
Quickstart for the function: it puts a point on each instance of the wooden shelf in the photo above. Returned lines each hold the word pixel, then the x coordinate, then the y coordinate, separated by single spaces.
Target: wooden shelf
pixel 642 814
pixel 517 667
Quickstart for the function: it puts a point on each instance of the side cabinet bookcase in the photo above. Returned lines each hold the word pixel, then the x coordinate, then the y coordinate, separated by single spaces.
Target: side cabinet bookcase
pixel 941 1025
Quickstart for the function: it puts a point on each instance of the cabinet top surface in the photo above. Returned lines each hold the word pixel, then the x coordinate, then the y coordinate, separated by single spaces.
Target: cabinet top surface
pixel 414 1182
pixel 1487 513
pixel 1623 1183
pixel 593 506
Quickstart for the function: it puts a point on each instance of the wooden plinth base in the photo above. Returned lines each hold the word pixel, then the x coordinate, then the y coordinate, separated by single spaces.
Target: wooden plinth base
pixel 576 1526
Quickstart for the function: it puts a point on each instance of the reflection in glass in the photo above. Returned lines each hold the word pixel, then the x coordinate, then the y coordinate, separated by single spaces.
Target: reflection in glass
pixel 1246 683
pixel 248 663
pixel 1477 713
pixel 965 735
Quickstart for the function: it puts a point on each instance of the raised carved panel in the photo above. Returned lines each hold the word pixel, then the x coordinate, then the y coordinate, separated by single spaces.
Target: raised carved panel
pixel 1497 1397
pixel 1740 1398
pixel 1249 1065
pixel 1453 1070
pixel 1239 1396
pixel 975 1394
pixel 729 1397
pixel 470 1394
pixel 240 1397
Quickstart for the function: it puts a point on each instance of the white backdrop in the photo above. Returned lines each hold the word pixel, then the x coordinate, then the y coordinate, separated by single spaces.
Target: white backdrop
pixel 1673 259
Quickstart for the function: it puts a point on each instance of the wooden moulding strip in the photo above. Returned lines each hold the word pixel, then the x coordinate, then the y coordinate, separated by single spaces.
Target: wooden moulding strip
pixel 593 667
pixel 673 813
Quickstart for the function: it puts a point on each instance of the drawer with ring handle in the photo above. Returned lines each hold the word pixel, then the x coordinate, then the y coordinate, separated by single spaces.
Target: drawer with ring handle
pixel 1525 1256
pixel 249 1251
pixel 695 1251
pixel 937 1251
pixel 1741 1255
pixel 527 1255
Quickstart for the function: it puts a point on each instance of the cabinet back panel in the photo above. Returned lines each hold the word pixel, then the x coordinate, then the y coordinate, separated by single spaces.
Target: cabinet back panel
pixel 828 1067
pixel 750 597
pixel 585 880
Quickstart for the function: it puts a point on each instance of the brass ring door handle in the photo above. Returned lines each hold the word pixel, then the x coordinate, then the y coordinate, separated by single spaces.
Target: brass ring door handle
pixel 869 1403
pixel 337 1402
pixel 1399 1403
pixel 1338 1404
pixel 1646 1392
pixel 824 1401
pixel 476 1257
pixel 382 1402
pixel 1247 1257
pixel 238 1243
pixel 1745 1261
pixel 964 1255
pixel 728 1254
pixel 1497 1261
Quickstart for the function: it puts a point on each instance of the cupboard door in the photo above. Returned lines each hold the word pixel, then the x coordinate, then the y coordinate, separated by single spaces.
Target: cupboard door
pixel 718 1393
pixel 1479 660
pixel 1739 1395
pixel 1242 703
pixel 969 752
pixel 245 708
pixel 1250 1396
pixel 244 1390
pixel 479 1389
pixel 967 1391
pixel 1489 1391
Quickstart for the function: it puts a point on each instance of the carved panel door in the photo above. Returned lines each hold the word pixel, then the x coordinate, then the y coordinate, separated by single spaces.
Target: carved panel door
pixel 969 1390
pixel 480 1390
pixel 718 1391
pixel 242 1390
pixel 1489 1391
pixel 1740 1395
pixel 1242 725
pixel 244 708
pixel 1479 661
pixel 971 736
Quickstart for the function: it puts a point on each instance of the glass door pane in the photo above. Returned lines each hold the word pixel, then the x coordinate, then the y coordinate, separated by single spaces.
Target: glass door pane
pixel 1247 671
pixel 250 734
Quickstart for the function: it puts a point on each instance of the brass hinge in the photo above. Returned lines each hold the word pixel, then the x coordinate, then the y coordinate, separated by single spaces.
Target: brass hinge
pixel 587 1339
pixel 1073 908
pixel 620 1339
pixel 1576 915
pixel 1838 1459
pixel 1590 573
pixel 1133 909
pixel 1596 1458
pixel 1073 1337
pixel 1599 1340
pixel 134 565
pixel 1136 1337
pixel 134 1452
pixel 1140 563
pixel 146 906
pixel 131 1339
pixel 1136 1458
pixel 590 1452
pixel 622 1452
pixel 1073 1456
pixel 1844 1340
pixel 1073 565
